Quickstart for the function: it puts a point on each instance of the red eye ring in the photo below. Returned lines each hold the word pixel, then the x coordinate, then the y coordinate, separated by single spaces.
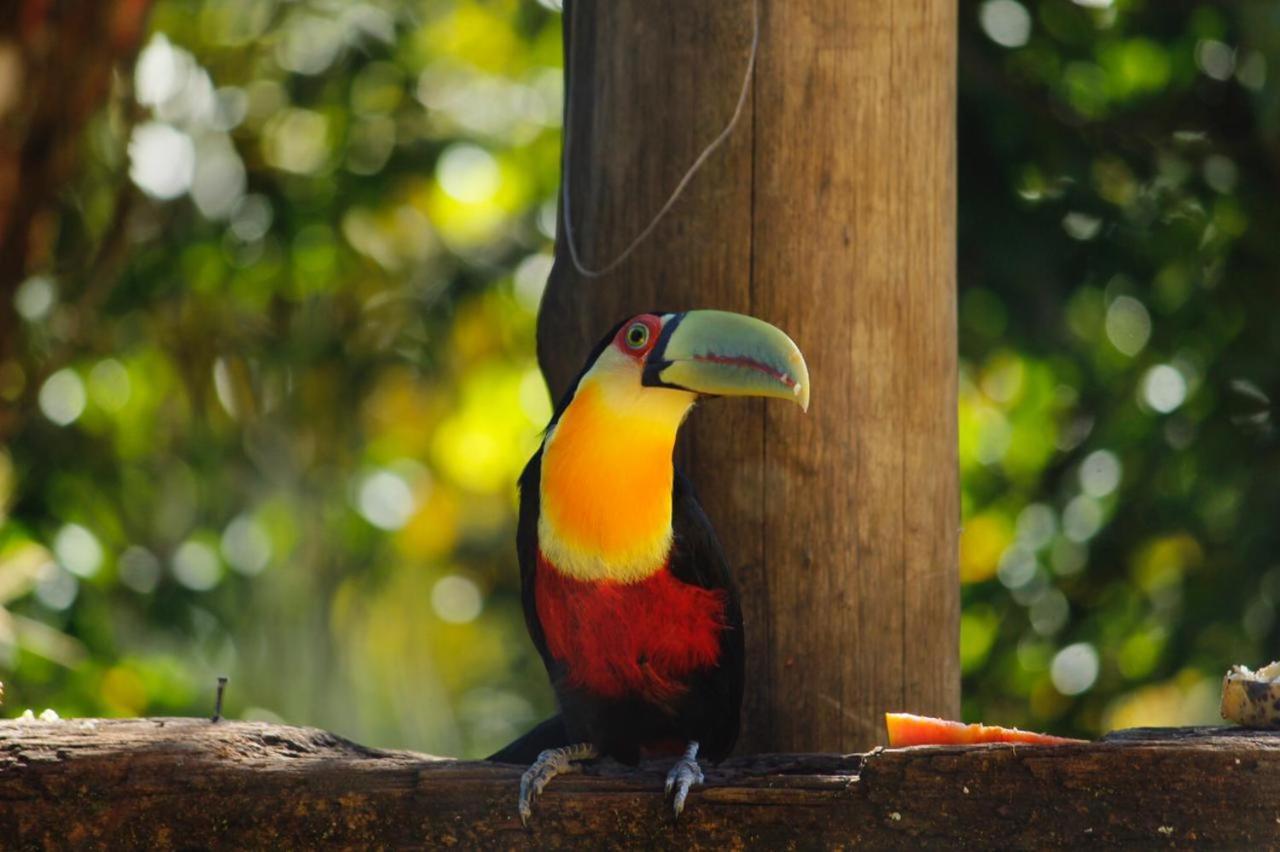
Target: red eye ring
pixel 637 335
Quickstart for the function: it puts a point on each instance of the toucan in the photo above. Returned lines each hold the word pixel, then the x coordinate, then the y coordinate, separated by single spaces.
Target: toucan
pixel 627 595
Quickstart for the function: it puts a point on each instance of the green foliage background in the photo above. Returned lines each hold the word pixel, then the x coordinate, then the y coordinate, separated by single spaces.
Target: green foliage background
pixel 285 449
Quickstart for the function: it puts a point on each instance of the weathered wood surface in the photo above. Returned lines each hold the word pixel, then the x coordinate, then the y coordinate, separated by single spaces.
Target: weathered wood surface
pixel 188 783
pixel 830 212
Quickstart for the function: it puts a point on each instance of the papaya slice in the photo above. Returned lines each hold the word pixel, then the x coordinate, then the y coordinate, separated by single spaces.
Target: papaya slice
pixel 907 729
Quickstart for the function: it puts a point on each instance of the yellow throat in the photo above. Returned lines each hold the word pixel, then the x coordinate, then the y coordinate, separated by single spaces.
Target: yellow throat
pixel 607 478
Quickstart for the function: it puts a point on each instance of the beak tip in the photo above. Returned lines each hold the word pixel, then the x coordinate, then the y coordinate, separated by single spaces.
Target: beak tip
pixel 802 397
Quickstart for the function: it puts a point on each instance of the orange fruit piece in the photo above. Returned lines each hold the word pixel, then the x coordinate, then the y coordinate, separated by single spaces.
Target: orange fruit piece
pixel 906 729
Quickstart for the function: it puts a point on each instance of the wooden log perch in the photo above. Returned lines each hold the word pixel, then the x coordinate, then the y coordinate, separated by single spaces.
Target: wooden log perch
pixel 190 783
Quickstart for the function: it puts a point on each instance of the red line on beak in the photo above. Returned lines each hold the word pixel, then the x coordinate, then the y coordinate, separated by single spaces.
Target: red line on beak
pixel 749 363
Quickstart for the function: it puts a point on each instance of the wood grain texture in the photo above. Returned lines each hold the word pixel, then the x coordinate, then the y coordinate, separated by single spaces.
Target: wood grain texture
pixel 187 783
pixel 830 213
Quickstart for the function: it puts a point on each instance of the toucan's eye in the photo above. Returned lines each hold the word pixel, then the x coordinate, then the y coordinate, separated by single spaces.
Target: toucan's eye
pixel 637 335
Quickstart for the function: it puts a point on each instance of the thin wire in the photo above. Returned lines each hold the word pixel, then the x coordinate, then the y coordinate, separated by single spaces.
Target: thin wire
pixel 684 181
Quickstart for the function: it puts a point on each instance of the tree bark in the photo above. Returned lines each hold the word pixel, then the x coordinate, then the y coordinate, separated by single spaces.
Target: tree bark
pixel 829 212
pixel 189 783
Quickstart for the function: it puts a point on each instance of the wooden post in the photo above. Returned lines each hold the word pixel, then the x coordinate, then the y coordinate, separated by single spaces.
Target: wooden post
pixel 829 212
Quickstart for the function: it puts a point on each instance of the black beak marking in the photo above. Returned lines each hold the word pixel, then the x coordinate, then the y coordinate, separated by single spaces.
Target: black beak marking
pixel 656 362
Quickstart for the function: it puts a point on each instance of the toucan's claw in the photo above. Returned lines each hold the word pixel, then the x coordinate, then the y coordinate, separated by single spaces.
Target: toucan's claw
pixel 684 775
pixel 552 762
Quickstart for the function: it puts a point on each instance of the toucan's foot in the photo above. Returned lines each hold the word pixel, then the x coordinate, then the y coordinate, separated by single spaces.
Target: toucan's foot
pixel 552 762
pixel 684 775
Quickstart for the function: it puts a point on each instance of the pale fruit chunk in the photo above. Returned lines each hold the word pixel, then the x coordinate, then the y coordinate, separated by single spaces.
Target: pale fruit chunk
pixel 1252 698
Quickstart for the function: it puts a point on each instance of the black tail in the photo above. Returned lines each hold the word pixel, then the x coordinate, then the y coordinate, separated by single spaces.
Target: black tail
pixel 525 750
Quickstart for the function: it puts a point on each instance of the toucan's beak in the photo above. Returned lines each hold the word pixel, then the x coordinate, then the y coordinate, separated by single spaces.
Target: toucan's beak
pixel 718 353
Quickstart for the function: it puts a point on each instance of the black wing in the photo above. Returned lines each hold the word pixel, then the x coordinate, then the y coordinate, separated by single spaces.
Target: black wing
pixel 551 733
pixel 527 553
pixel 711 710
pixel 697 557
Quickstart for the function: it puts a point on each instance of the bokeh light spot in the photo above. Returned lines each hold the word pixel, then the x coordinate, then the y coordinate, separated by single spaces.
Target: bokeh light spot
pixel 162 160
pixel 1128 325
pixel 1220 173
pixel 297 140
pixel 385 500
pixel 1082 519
pixel 78 550
pixel 1017 568
pixel 1074 668
pixel 468 173
pixel 1049 612
pixel 310 43
pixel 1252 70
pixel 1081 226
pixel 196 566
pixel 35 297
pixel 1006 22
pixel 1037 524
pixel 246 545
pixel 62 397
pixel 1164 388
pixel 1215 59
pixel 57 588
pixel 1100 473
pixel 161 72
pixel 219 179
pixel 251 217
pixel 456 599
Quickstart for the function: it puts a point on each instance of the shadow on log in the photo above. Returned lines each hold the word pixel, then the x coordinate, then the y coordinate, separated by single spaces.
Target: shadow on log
pixel 189 783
